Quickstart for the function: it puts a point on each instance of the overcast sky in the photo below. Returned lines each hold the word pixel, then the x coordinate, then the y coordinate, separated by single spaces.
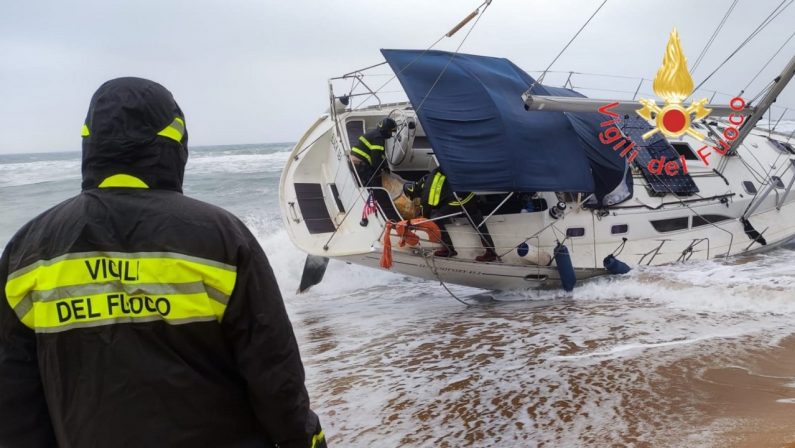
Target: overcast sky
pixel 256 71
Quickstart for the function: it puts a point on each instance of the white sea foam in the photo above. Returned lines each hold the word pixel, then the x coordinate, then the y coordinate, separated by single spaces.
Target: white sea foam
pixel 232 163
pixel 38 172
pixel 392 361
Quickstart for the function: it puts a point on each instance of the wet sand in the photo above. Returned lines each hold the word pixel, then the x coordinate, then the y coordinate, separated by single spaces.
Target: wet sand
pixel 758 394
pixel 553 374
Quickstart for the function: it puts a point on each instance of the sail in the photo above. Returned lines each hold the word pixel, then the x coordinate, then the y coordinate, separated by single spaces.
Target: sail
pixel 472 112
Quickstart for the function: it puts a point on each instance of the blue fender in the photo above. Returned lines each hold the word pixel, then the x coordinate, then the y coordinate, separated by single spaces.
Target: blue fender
pixel 563 261
pixel 615 266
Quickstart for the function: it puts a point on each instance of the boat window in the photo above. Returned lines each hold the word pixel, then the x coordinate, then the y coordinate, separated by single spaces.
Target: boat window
pixel 703 220
pixel 670 225
pixel 619 229
pixel 575 232
pixel 778 182
pixel 355 129
pixel 749 187
pixel 684 149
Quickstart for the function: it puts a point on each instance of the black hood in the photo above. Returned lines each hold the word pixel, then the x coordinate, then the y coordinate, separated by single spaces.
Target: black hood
pixel 121 135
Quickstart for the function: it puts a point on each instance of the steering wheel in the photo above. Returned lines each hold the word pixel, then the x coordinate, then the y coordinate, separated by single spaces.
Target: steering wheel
pixel 403 136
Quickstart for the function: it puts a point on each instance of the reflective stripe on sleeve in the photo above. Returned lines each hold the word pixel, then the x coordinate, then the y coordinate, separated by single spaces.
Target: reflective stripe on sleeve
pixel 371 146
pixel 436 189
pixel 360 152
pixel 463 201
pixel 84 132
pixel 175 130
pixel 317 438
pixel 103 288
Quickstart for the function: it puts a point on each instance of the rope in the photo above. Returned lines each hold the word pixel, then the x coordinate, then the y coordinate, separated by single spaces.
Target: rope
pixel 620 247
pixel 714 35
pixel 753 34
pixel 441 282
pixel 541 78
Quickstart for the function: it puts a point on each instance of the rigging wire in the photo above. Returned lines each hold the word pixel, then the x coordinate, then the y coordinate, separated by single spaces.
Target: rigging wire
pixel 458 48
pixel 772 16
pixel 541 78
pixel 714 35
pixel 762 92
pixel 483 5
pixel 769 61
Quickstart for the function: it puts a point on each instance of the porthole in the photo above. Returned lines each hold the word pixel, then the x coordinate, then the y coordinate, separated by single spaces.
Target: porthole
pixel 619 229
pixel 573 232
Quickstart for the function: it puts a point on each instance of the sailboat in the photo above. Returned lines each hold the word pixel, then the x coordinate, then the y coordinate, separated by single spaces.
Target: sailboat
pixel 570 187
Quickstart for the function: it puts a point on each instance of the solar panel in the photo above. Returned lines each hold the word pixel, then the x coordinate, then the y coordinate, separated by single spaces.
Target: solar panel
pixel 657 147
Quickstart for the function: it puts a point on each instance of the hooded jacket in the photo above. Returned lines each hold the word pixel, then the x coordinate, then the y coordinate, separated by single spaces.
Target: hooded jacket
pixel 132 315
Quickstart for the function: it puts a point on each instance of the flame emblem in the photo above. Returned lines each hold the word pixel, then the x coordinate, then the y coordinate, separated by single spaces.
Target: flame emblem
pixel 673 83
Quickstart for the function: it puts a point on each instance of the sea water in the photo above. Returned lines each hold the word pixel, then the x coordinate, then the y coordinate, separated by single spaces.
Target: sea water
pixel 394 361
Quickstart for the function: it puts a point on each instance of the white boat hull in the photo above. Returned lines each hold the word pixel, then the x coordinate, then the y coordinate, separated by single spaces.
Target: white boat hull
pixel 320 158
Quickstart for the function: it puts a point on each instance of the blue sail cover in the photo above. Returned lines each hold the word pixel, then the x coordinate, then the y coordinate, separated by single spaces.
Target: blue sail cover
pixel 485 140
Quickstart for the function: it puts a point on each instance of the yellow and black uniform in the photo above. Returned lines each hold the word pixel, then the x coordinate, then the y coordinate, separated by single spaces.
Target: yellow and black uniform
pixel 438 199
pixel 368 160
pixel 132 315
pixel 369 151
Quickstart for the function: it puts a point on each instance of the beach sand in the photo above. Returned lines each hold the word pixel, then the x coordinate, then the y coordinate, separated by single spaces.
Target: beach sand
pixel 758 395
pixel 453 381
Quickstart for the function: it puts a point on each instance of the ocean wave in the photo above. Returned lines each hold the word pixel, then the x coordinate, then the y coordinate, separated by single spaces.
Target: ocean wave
pixel 38 172
pixel 234 162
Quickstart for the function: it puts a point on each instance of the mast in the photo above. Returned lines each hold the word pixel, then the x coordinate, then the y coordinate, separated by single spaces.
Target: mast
pixel 779 83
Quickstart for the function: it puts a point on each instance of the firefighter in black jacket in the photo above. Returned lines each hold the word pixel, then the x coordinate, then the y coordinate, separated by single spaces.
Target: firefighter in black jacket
pixel 367 156
pixel 132 315
pixel 438 199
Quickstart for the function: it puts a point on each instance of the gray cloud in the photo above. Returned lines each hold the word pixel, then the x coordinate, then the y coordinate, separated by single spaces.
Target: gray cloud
pixel 256 71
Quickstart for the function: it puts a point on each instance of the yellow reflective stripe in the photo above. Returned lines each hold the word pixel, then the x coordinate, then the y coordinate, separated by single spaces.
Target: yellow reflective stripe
pixel 464 201
pixel 317 438
pixel 85 132
pixel 123 180
pixel 106 309
pixel 436 189
pixel 191 288
pixel 175 130
pixel 363 154
pixel 371 146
